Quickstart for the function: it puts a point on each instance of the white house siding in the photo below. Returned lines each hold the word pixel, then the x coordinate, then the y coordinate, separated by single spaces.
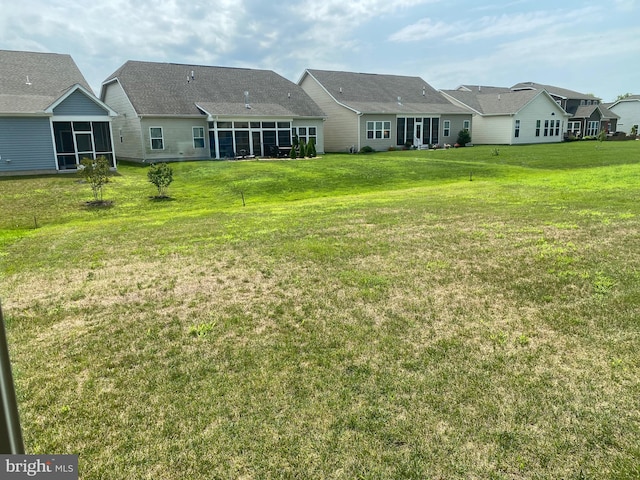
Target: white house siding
pixel 341 126
pixel 177 139
pixel 379 144
pixel 26 145
pixel 629 113
pixel 126 126
pixel 540 108
pixel 319 126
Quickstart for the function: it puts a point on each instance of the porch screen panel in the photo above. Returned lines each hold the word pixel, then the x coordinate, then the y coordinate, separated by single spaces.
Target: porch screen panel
pixel 242 142
pixel 435 126
pixel 225 139
pixel 410 130
pixel 400 131
pixel 269 139
pixel 426 132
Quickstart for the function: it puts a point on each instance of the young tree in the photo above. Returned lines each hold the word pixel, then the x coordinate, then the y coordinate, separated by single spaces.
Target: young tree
pixel 161 175
pixel 303 149
pixel 292 153
pixel 96 173
pixel 311 148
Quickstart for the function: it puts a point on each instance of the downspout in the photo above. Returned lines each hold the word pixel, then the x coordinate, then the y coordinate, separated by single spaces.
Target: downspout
pixel 359 117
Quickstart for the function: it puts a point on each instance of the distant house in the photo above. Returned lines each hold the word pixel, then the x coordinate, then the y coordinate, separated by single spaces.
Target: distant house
pixel 628 111
pixel 382 111
pixel 49 117
pixel 503 116
pixel 588 116
pixel 174 112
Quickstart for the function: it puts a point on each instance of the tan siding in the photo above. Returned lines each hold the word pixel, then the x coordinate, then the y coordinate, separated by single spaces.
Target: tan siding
pixel 341 126
pixel 126 126
pixel 492 130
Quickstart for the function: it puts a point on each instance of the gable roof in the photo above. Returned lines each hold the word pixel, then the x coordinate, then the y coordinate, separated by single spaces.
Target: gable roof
pixel 30 82
pixel 555 91
pixel 585 111
pixel 378 93
pixel 170 89
pixel 488 103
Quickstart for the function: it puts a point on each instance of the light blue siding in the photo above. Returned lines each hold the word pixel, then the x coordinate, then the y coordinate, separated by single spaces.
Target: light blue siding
pixel 79 104
pixel 26 144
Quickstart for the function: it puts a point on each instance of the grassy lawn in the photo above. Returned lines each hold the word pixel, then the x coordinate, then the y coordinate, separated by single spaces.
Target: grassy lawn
pixel 431 315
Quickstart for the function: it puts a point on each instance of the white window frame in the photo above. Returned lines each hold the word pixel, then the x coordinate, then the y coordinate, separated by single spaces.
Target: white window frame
pixel 152 138
pixel 466 125
pixel 309 133
pixel 446 128
pixel 592 128
pixel 378 129
pixel 199 138
pixel 517 129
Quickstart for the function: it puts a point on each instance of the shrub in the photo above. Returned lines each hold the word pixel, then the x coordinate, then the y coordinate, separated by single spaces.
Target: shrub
pixel 292 153
pixel 96 173
pixel 367 149
pixel 311 148
pixel 161 175
pixel 464 137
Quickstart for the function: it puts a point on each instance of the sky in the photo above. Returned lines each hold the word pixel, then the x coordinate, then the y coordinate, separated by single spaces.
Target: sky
pixel 586 46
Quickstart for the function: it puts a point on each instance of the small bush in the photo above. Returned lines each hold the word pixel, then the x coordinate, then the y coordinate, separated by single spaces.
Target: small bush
pixel 161 175
pixel 367 149
pixel 464 137
pixel 96 173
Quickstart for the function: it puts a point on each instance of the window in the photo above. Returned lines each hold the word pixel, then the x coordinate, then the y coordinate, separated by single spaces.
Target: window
pixel 573 128
pixel 557 128
pixel 538 128
pixel 517 132
pixel 198 137
pixel 378 130
pixel 546 128
pixel 446 128
pixel 466 125
pixel 305 134
pixel 157 140
pixel 592 128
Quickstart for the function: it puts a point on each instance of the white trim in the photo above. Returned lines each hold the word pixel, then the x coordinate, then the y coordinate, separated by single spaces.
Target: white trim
pixel 151 139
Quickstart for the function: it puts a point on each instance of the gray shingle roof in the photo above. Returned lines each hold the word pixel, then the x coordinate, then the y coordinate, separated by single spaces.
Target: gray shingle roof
pixel 557 91
pixel 488 103
pixel 50 75
pixel 483 89
pixel 585 111
pixel 168 89
pixel 377 93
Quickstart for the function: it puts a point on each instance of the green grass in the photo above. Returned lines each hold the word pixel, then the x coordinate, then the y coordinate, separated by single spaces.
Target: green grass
pixel 363 316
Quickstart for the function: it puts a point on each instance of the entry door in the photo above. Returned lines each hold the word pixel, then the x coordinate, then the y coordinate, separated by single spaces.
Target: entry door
pixel 417 132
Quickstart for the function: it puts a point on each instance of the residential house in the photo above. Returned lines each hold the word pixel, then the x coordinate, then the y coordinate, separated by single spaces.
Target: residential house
pixel 49 117
pixel 628 111
pixel 383 111
pixel 503 116
pixel 588 116
pixel 172 111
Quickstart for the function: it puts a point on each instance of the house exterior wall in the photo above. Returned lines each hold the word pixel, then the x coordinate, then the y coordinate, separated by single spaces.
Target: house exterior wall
pixel 127 131
pixel 457 124
pixel 177 139
pixel 78 104
pixel 26 145
pixel 342 125
pixel 542 109
pixel 629 113
pixel 496 130
pixel 379 144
